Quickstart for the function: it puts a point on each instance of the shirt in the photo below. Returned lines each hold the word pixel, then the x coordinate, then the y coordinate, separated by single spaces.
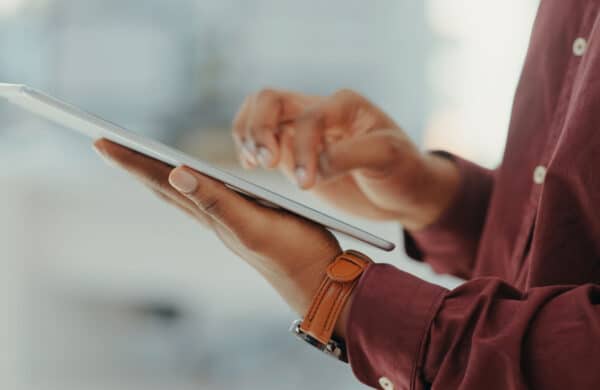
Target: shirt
pixel 526 236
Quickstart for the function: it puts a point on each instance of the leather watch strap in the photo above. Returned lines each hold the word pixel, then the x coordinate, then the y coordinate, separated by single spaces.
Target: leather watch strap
pixel 341 277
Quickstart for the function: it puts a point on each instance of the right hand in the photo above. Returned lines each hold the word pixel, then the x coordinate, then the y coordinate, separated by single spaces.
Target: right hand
pixel 348 152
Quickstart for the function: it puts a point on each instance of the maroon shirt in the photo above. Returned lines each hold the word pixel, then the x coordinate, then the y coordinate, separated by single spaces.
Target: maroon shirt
pixel 526 237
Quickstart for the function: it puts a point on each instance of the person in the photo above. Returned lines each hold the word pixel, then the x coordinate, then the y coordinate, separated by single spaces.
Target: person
pixel 525 236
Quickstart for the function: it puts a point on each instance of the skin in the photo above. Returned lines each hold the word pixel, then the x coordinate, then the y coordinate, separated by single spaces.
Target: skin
pixel 348 152
pixel 342 148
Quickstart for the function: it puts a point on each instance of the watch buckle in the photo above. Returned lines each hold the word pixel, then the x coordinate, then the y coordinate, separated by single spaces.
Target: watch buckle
pixel 335 349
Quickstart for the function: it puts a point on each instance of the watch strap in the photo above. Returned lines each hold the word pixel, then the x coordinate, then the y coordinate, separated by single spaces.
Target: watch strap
pixel 341 278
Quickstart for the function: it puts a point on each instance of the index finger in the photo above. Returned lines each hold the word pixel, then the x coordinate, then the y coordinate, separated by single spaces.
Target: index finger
pixel 338 110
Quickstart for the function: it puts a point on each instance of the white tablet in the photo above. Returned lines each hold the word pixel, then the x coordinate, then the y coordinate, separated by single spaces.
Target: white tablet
pixel 96 128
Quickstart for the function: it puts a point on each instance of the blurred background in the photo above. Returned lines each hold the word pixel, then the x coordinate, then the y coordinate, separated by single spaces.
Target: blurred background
pixel 104 286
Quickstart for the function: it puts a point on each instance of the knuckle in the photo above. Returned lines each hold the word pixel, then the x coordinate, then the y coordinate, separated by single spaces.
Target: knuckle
pixel 263 131
pixel 253 242
pixel 210 205
pixel 265 116
pixel 251 234
pixel 267 94
pixel 348 102
pixel 347 94
pixel 312 117
pixel 392 148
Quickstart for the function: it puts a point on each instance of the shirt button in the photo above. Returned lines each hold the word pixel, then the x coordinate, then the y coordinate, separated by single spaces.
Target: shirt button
pixel 579 47
pixel 385 383
pixel 539 174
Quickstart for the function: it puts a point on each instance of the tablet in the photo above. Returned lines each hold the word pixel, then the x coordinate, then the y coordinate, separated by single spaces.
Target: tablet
pixel 76 119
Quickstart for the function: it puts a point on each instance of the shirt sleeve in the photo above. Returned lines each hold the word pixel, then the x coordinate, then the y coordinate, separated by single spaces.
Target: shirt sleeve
pixel 450 244
pixel 485 334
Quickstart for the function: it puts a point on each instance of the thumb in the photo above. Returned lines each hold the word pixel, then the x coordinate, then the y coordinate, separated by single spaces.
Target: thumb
pixel 378 151
pixel 214 199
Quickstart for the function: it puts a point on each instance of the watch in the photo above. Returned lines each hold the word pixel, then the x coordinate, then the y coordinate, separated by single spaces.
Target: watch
pixel 318 324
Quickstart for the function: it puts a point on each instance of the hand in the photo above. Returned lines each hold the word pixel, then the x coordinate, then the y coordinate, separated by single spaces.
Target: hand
pixel 290 252
pixel 347 151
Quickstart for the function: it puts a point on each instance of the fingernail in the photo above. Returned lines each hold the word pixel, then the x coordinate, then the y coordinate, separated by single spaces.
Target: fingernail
pixel 249 149
pixel 245 163
pixel 249 157
pixel 109 161
pixel 301 175
pixel 265 157
pixel 250 146
pixel 183 181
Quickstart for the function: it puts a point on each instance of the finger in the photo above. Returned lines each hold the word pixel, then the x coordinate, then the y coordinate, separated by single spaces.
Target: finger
pixel 378 152
pixel 248 143
pixel 153 173
pixel 241 216
pixel 271 110
pixel 310 128
pixel 305 148
pixel 150 171
pixel 240 134
pixel 286 142
pixel 246 160
pixel 263 126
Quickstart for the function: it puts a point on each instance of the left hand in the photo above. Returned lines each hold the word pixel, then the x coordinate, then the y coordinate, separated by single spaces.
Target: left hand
pixel 290 252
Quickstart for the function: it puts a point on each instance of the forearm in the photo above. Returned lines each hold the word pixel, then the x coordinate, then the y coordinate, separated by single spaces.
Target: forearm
pixel 450 243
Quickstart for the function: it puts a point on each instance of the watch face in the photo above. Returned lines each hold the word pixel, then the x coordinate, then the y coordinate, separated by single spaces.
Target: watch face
pixel 333 348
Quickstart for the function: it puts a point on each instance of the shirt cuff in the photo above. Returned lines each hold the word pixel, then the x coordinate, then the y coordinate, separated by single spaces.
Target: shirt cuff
pixel 450 244
pixel 388 325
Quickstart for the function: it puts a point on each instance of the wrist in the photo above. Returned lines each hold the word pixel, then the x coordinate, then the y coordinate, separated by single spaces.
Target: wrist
pixel 323 325
pixel 437 186
pixel 330 307
pixel 299 285
pixel 309 290
pixel 340 326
